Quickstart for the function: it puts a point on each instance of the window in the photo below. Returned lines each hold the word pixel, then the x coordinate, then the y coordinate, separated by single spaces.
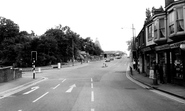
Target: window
pixel 155 30
pixel 150 32
pixel 180 20
pixel 171 22
pixel 161 28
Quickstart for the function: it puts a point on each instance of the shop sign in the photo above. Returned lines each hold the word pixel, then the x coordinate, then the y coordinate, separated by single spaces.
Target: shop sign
pixel 146 49
pixel 177 45
pixel 163 47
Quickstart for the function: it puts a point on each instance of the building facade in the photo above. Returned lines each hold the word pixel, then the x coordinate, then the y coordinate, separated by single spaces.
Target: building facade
pixel 164 37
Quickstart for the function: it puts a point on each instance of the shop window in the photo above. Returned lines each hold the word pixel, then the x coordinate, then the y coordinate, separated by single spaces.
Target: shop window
pixel 178 65
pixel 161 28
pixel 171 22
pixel 180 20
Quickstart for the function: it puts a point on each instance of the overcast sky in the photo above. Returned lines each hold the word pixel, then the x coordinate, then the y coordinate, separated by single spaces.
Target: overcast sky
pixel 108 20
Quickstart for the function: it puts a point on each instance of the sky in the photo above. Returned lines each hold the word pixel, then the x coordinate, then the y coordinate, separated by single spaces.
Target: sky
pixel 110 21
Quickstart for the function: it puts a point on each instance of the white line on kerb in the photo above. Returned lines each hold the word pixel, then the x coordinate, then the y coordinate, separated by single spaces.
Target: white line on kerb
pixel 91 85
pixel 63 80
pixel 40 97
pixel 91 80
pixel 56 86
pixel 92 96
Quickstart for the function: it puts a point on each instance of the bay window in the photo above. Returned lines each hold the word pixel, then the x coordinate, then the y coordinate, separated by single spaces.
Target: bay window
pixel 171 22
pixel 180 20
pixel 150 32
pixel 161 28
pixel 155 30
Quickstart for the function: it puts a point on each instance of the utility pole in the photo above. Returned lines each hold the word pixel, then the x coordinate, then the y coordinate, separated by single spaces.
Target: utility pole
pixel 133 42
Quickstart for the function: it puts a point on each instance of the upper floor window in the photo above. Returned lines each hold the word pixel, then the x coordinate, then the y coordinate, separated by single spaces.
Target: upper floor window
pixel 155 29
pixel 161 28
pixel 180 20
pixel 171 22
pixel 150 32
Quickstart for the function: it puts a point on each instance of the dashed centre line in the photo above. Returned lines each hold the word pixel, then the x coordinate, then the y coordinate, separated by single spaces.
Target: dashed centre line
pixel 56 86
pixel 92 96
pixel 91 80
pixel 63 80
pixel 92 85
pixel 40 97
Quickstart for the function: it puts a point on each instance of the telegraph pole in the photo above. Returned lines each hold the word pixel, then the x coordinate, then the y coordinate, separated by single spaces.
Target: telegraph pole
pixel 133 42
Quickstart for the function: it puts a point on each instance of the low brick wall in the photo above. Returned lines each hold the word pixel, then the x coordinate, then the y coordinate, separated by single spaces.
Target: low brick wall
pixel 9 73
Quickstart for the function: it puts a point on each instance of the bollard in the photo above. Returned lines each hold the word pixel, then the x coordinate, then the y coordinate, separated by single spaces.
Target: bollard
pixel 39 69
pixel 59 65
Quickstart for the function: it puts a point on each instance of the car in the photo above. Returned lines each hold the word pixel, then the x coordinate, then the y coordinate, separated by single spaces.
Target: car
pixel 107 60
pixel 111 58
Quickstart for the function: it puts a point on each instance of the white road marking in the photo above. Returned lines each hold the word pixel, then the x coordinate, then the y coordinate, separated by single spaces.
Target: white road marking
pixel 40 97
pixel 20 88
pixel 91 85
pixel 92 109
pixel 32 89
pixel 56 86
pixel 169 96
pixel 19 110
pixel 91 80
pixel 92 96
pixel 71 88
pixel 64 80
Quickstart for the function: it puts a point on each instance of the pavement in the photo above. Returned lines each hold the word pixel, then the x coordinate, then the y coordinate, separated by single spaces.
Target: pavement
pixel 172 89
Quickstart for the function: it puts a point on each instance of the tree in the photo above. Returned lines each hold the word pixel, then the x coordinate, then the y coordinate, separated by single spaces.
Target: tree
pixel 129 43
pixel 8 29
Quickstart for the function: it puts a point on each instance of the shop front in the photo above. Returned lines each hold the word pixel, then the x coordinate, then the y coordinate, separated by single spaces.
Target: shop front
pixel 178 63
pixel 150 57
pixel 163 59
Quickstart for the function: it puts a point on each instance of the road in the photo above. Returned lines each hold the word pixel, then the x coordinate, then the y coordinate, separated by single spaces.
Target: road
pixel 88 87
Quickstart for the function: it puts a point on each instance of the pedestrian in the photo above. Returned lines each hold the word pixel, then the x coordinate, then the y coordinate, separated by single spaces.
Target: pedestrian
pixel 134 64
pixel 161 73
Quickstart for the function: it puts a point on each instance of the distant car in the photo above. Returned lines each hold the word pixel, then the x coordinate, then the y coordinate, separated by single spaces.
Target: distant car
pixel 118 57
pixel 111 58
pixel 107 60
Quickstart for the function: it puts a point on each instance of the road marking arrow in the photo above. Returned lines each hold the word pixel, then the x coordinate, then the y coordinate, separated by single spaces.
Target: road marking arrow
pixel 71 88
pixel 32 89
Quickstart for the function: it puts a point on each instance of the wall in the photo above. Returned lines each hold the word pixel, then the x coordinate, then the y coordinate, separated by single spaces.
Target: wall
pixel 9 73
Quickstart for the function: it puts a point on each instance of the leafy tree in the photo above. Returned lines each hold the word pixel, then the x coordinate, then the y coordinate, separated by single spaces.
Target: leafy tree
pixel 129 43
pixel 8 29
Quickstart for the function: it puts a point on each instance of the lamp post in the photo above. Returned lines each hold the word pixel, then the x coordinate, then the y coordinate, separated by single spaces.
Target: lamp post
pixel 133 42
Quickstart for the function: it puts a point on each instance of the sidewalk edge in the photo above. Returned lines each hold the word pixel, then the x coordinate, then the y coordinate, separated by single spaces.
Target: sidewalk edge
pixel 156 88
